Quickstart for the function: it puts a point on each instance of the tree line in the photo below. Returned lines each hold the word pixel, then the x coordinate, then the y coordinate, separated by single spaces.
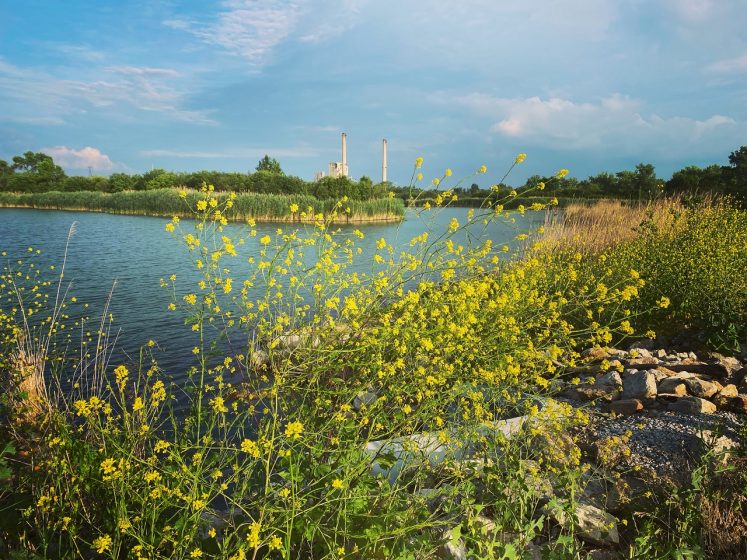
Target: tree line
pixel 642 183
pixel 35 172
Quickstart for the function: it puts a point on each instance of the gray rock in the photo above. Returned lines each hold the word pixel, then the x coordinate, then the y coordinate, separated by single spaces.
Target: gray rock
pixel 610 379
pixel 692 405
pixel 365 398
pixel 700 388
pixel 626 407
pixel 641 385
pixel 593 525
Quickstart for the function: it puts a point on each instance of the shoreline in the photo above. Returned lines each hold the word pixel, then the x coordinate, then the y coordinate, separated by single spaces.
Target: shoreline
pixel 340 220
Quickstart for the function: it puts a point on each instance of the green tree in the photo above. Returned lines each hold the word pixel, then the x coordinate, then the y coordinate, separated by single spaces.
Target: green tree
pixel 5 172
pixel 35 172
pixel 269 164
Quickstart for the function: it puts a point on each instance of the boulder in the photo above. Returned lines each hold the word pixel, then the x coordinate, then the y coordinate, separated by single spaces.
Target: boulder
pixel 643 363
pixel 626 407
pixel 595 354
pixel 736 404
pixel 610 379
pixel 701 368
pixel 700 388
pixel 729 390
pixel 592 392
pixel 673 386
pixel 641 385
pixel 593 525
pixel 692 405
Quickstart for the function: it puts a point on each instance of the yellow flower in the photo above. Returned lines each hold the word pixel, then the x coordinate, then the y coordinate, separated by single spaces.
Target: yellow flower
pixel 419 162
pixel 294 208
pixel 447 173
pixel 483 169
pixel 201 205
pixel 276 543
pixel 219 405
pixel 663 302
pixel 520 158
pixel 294 430
pixel 196 553
pixel 169 227
pixel 251 448
pixel 265 240
pixel 102 543
pixel 138 404
pixel 561 173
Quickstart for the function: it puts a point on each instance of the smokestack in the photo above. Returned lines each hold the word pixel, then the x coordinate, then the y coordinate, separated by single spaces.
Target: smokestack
pixel 344 154
pixel 383 162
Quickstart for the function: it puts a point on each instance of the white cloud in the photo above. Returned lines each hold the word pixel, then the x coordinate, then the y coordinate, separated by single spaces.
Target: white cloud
pixel 614 122
pixel 71 158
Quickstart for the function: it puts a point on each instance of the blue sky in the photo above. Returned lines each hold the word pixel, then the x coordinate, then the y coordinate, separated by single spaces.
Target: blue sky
pixel 589 85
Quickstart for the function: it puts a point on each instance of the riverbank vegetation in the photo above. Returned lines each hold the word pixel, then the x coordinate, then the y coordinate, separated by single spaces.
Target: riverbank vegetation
pixel 244 206
pixel 407 412
pixel 640 184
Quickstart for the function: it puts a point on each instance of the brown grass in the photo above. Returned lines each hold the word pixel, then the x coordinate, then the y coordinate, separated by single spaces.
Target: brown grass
pixel 605 223
pixel 724 511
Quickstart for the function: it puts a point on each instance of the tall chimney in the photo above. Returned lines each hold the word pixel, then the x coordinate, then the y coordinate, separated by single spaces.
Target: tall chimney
pixel 344 154
pixel 383 162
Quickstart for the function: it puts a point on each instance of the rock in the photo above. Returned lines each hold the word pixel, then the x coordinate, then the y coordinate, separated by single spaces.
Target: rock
pixel 669 397
pixel 736 404
pixel 365 398
pixel 454 547
pixel 615 352
pixel 699 388
pixel 672 385
pixel 610 379
pixel 593 525
pixel 645 344
pixel 721 446
pixel 259 360
pixel 701 368
pixel 692 405
pixel 626 407
pixel 640 353
pixel 592 392
pixel 660 353
pixel 731 364
pixel 595 354
pixel 729 390
pixel 641 385
pixel 740 378
pixel 644 363
pixel 429 447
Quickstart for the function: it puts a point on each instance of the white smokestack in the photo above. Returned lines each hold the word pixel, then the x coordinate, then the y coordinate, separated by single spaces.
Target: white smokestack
pixel 344 154
pixel 383 162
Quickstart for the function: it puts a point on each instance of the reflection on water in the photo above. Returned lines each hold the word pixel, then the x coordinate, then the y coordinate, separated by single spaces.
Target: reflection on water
pixel 137 252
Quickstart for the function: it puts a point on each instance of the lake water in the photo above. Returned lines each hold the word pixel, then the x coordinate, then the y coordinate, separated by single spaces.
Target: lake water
pixel 137 252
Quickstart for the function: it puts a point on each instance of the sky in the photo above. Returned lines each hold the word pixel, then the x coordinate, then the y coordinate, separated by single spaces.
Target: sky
pixel 587 85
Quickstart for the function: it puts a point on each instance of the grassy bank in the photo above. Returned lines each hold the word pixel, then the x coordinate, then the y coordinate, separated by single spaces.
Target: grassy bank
pixel 168 202
pixel 360 420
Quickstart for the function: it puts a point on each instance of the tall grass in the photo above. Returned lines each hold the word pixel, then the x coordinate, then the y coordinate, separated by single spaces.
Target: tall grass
pixel 168 202
pixel 693 258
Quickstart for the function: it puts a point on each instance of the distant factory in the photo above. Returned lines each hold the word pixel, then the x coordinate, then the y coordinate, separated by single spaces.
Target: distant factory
pixel 340 168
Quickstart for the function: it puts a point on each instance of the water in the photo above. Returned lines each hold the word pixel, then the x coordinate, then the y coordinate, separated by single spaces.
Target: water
pixel 136 252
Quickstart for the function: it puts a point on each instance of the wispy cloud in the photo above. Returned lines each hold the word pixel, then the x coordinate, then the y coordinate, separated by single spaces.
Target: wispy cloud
pixel 253 29
pixel 736 64
pixel 71 158
pixel 246 28
pixel 78 52
pixel 149 89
